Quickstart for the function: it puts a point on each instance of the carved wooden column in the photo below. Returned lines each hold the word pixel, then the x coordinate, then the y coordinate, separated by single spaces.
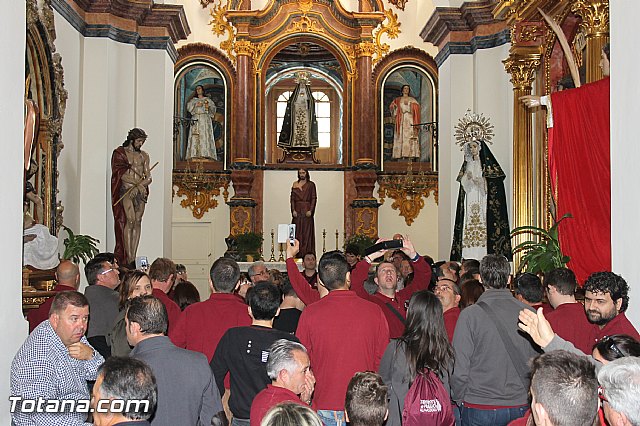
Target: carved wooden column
pixel 244 112
pixel 364 142
pixel 522 64
pixel 595 23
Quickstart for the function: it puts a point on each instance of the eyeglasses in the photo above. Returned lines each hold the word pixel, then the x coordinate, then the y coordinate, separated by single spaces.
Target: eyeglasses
pixel 610 344
pixel 601 394
pixel 443 288
pixel 107 271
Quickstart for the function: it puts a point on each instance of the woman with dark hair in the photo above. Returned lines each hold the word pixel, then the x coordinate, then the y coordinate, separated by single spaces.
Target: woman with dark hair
pixel 135 283
pixel 470 291
pixel 185 294
pixel 613 347
pixel 423 346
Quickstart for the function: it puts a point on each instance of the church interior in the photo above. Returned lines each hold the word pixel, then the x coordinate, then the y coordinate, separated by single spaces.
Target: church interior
pixel 97 69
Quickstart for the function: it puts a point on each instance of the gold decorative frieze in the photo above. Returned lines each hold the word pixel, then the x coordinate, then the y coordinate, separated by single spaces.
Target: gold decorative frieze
pixel 366 221
pixel 241 217
pixel 595 16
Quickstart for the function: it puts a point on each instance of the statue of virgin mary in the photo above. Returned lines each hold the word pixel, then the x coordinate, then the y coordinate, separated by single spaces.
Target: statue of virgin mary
pixel 300 126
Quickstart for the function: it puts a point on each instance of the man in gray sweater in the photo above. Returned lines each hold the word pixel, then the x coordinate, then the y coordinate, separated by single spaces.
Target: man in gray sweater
pixel 489 381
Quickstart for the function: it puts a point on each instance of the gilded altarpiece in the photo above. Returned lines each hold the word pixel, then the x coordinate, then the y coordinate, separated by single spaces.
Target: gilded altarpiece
pixel 253 41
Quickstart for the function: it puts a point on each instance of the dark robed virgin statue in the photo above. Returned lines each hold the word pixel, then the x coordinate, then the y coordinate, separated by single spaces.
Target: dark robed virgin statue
pixel 300 127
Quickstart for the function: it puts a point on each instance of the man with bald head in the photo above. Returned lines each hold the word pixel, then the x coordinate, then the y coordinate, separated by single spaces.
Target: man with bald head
pixel 68 278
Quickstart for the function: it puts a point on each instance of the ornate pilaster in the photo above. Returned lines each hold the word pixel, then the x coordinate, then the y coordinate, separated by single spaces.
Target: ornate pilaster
pixel 522 64
pixel 242 147
pixel 242 204
pixel 364 207
pixel 363 147
pixel 595 24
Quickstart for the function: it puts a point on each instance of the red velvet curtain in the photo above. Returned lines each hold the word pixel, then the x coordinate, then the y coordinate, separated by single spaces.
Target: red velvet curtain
pixel 579 164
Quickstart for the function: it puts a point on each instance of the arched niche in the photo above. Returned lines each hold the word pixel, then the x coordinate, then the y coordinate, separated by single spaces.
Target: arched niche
pixel 202 65
pixel 328 83
pixel 414 68
pixel 44 74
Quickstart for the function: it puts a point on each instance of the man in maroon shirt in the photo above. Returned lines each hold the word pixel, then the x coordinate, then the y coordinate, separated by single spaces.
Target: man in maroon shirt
pixel 387 297
pixel 162 274
pixel 202 324
pixel 449 294
pixel 343 334
pixel 68 277
pixel 289 369
pixel 529 290
pixel 605 301
pixel 567 318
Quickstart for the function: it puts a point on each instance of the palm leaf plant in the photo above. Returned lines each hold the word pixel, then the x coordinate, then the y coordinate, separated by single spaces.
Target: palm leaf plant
pixel 79 247
pixel 542 252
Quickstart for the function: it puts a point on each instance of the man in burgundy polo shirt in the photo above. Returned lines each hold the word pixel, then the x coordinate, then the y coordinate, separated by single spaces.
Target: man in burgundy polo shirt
pixel 449 294
pixel 162 274
pixel 529 290
pixel 68 277
pixel 387 297
pixel 343 334
pixel 567 318
pixel 289 369
pixel 201 325
pixel 605 301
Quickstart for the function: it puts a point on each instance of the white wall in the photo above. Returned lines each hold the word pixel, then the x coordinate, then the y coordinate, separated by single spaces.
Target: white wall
pixel 625 109
pixel 197 243
pixel 329 207
pixel 12 27
pixel 480 83
pixel 423 232
pixel 456 90
pixel 114 87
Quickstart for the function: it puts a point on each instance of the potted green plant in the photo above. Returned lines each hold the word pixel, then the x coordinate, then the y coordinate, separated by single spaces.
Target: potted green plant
pixel 542 251
pixel 249 245
pixel 361 241
pixel 79 247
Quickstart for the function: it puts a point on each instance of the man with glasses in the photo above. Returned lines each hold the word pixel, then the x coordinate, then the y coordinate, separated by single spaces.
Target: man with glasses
pixel 449 294
pixel 103 278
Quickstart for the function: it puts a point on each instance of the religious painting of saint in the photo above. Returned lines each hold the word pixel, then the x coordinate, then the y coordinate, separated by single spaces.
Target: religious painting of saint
pixel 408 100
pixel 200 115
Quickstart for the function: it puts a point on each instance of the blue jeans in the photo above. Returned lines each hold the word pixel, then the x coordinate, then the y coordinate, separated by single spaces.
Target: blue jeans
pixel 332 418
pixel 497 417
pixel 240 422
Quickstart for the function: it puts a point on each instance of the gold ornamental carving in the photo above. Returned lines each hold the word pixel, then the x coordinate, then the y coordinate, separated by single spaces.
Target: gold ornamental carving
pixel 408 192
pixel 366 48
pixel 399 3
pixel 240 220
pixel 529 33
pixel 391 27
pixel 595 16
pixel 366 220
pixel 200 190
pixel 220 26
pixel 522 70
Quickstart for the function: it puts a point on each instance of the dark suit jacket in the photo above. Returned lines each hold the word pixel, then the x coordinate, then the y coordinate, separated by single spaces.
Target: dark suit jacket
pixel 187 392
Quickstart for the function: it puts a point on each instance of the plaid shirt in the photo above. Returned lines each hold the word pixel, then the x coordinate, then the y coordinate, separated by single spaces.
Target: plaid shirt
pixel 42 368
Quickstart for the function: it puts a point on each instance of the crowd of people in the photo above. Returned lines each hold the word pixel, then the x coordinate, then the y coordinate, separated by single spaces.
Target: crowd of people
pixel 389 338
